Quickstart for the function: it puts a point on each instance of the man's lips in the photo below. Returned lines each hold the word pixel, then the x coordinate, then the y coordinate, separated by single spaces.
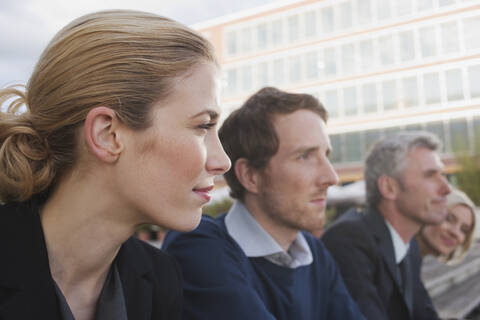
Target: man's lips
pixel 203 192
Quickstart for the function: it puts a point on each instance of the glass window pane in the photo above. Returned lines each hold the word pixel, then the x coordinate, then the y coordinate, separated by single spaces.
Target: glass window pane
pixel 353 147
pixel 431 83
pixel 232 81
pixel 347 58
pixel 327 20
pixel 246 72
pixel 262 36
pixel 295 71
pixel 371 136
pixel 437 129
pixel 445 2
pixel 331 103
pixel 364 8
pixel 387 54
pixel 346 15
pixel 459 135
pixel 449 33
pixel 262 73
pixel 406 45
pixel 476 133
pixel 428 43
pixel 278 71
pixel 403 7
pixel 366 55
pixel 410 92
pixel 413 127
pixel 388 132
pixel 454 85
pixel 350 101
pixel 329 60
pixel 246 39
pixel 474 80
pixel 389 93
pixel 277 32
pixel 311 65
pixel 424 5
pixel 293 28
pixel 384 9
pixel 336 154
pixel 231 42
pixel 471 27
pixel 369 93
pixel 310 24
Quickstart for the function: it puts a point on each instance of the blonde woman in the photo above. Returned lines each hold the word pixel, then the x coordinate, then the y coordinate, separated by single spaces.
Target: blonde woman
pixel 451 239
pixel 119 129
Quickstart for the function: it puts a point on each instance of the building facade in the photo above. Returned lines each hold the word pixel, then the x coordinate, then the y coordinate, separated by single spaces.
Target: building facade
pixel 378 66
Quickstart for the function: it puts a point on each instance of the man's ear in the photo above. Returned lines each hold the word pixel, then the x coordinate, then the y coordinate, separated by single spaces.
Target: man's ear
pixel 246 175
pixel 388 187
pixel 101 134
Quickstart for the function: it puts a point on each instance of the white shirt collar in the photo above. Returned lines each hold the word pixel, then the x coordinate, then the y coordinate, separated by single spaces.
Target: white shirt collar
pixel 256 242
pixel 399 246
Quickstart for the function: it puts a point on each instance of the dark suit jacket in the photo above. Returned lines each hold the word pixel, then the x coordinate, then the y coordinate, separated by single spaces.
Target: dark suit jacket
pixel 151 279
pixel 363 249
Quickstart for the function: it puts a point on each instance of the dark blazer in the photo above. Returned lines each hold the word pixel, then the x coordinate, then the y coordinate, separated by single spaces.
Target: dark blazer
pixel 363 249
pixel 151 279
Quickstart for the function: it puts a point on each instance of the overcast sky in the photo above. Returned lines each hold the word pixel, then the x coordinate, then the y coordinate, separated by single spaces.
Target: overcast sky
pixel 28 25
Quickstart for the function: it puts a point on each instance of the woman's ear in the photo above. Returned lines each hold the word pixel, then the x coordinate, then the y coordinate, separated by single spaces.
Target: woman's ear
pixel 246 175
pixel 388 187
pixel 101 132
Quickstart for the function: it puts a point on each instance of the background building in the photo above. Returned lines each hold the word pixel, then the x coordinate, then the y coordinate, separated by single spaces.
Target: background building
pixel 379 66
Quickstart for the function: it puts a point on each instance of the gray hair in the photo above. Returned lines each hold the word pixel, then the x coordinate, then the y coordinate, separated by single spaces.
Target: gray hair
pixel 388 157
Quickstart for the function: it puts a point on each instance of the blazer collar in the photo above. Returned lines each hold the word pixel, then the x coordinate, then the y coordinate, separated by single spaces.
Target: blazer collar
pixel 135 271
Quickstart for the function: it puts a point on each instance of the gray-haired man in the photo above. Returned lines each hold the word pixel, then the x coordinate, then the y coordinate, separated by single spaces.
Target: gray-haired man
pixel 406 188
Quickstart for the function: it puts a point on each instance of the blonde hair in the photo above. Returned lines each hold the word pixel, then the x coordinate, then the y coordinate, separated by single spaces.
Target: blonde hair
pixel 454 198
pixel 125 60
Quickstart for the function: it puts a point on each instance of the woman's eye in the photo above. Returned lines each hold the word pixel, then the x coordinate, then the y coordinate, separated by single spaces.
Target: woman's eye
pixel 207 126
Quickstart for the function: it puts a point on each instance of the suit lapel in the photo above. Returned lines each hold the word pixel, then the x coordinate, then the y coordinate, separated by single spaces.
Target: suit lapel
pixel 134 270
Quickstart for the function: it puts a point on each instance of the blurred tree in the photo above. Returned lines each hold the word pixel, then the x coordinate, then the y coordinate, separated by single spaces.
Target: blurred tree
pixel 467 178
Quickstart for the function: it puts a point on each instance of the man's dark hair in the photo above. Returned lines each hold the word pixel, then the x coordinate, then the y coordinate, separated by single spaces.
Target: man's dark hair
pixel 249 131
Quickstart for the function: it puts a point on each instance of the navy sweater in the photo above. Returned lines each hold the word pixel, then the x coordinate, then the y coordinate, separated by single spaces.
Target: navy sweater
pixel 221 282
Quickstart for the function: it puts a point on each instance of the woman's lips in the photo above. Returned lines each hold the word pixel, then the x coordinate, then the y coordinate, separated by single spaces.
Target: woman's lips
pixel 204 192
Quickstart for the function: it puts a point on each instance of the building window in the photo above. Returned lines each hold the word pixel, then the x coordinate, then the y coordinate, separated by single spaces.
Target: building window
pixel 366 55
pixel 231 42
pixel 371 136
pixel 336 154
pixel 293 28
pixel 406 46
pixel 277 32
pixel 449 32
pixel 387 52
pixel 384 9
pixel 262 36
pixel 246 39
pixel 369 93
pixel 442 3
pixel 437 129
pixel 350 101
pixel 459 135
pixel 410 92
pixel 364 8
pixel 311 65
pixel 327 20
pixel 262 74
pixel 346 15
pixel 454 85
pixel 423 5
pixel 431 83
pixel 353 144
pixel 474 80
pixel 389 93
pixel 331 101
pixel 404 7
pixel 329 60
pixel 278 71
pixel 348 58
pixel 414 127
pixel 428 42
pixel 232 81
pixel 310 24
pixel 295 69
pixel 470 28
pixel 246 73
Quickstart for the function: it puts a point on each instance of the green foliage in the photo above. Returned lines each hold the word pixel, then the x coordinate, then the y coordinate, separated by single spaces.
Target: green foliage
pixel 218 207
pixel 467 178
